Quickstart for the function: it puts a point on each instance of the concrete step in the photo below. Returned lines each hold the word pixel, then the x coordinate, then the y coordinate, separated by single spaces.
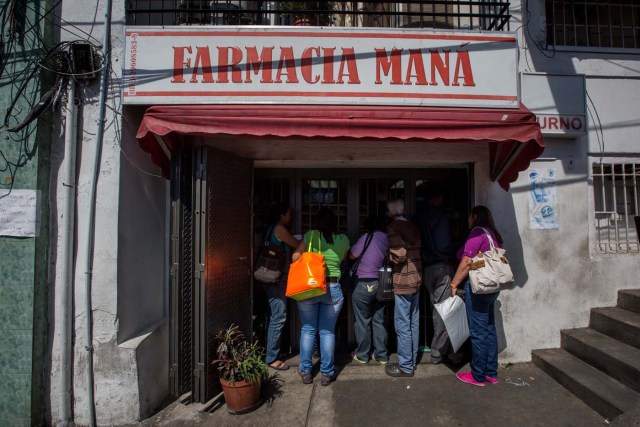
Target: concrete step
pixel 629 299
pixel 623 325
pixel 605 395
pixel 615 358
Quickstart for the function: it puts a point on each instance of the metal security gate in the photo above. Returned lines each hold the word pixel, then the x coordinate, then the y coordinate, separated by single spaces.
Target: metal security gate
pixel 211 253
pixel 181 293
pixel 223 254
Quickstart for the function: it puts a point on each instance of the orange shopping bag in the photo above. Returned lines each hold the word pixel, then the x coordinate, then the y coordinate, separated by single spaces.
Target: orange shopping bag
pixel 306 276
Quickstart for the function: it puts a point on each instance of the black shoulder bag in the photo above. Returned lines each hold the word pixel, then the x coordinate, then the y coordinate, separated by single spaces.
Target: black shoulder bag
pixel 385 283
pixel 270 262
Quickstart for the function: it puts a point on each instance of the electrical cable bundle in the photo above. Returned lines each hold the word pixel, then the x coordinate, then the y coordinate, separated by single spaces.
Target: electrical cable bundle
pixel 25 54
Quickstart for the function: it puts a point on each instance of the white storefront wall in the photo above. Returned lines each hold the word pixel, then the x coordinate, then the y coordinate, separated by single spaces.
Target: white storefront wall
pixel 130 374
pixel 565 276
pixel 559 277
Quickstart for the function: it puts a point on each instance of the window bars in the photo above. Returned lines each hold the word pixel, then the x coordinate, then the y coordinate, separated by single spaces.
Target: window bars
pixel 593 23
pixel 489 15
pixel 616 188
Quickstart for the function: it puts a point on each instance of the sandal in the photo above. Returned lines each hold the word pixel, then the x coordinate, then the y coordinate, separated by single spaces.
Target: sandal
pixel 279 365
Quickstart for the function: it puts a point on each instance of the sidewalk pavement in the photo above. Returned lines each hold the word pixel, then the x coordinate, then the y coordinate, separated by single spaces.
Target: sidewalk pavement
pixel 363 395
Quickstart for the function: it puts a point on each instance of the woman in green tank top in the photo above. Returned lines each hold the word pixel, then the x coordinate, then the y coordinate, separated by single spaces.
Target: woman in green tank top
pixel 319 314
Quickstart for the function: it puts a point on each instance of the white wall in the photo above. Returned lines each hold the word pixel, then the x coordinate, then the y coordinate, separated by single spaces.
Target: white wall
pixel 559 276
pixel 123 389
pixel 550 289
pixel 142 237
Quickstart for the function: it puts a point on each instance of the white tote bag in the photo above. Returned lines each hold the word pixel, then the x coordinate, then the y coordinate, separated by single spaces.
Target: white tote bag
pixel 454 315
pixel 490 270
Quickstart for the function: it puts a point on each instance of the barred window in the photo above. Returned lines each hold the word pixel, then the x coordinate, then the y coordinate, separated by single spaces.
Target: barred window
pixel 593 23
pixel 616 189
pixel 488 15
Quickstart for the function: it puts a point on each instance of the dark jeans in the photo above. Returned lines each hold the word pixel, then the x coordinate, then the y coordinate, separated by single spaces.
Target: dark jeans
pixel 276 318
pixel 369 323
pixel 437 279
pixel 482 328
pixel 407 323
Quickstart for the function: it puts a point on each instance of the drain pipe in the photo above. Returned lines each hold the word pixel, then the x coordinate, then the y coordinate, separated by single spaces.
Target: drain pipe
pixel 66 277
pixel 104 80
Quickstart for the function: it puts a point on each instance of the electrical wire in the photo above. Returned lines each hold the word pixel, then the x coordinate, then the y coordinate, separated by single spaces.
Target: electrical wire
pixel 542 51
pixel 24 55
pixel 69 24
pixel 63 62
pixel 37 23
pixel 88 73
pixel 599 126
pixel 115 108
pixel 62 65
pixel 49 98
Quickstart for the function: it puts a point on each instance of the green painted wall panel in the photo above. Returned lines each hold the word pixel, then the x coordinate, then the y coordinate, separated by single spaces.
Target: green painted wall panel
pixel 15 351
pixel 25 164
pixel 18 258
pixel 15 396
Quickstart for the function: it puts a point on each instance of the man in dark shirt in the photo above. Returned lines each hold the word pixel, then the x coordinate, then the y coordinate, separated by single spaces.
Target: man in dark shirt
pixel 438 255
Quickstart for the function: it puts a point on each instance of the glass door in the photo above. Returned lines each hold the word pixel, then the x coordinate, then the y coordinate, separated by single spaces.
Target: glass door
pixel 320 193
pixel 374 193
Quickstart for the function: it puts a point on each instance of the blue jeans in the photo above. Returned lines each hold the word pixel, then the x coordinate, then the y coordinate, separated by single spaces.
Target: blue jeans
pixel 369 316
pixel 276 318
pixel 482 328
pixel 320 314
pixel 407 322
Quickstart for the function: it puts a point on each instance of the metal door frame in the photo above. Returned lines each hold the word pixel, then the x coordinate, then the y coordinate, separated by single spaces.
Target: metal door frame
pixel 181 273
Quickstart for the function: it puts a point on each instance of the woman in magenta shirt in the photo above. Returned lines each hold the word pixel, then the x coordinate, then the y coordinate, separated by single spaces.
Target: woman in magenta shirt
pixel 480 307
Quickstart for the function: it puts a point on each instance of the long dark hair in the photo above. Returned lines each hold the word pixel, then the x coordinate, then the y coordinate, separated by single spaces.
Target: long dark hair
pixel 482 218
pixel 278 209
pixel 327 224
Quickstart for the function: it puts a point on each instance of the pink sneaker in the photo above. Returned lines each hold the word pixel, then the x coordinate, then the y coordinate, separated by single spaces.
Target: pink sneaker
pixel 466 377
pixel 491 380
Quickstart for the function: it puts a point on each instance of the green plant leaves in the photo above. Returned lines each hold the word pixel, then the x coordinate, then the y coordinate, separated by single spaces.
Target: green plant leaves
pixel 237 358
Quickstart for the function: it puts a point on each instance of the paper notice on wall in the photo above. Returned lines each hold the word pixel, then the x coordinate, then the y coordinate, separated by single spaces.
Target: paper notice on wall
pixel 19 213
pixel 543 214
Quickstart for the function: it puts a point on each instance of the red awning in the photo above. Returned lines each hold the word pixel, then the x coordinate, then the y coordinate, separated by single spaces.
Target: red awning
pixel 513 135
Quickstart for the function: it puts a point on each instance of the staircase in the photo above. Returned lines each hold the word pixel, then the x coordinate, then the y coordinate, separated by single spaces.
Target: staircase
pixel 601 364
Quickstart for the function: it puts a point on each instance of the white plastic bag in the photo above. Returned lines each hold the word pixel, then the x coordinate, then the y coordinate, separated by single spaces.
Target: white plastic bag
pixel 454 315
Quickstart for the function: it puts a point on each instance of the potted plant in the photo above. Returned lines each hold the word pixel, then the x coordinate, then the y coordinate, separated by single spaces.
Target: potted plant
pixel 241 368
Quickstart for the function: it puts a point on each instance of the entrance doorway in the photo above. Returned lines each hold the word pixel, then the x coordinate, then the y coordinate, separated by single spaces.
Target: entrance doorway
pixel 353 195
pixel 211 226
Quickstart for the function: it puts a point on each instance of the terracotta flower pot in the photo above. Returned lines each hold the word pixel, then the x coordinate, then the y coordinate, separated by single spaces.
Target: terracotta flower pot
pixel 241 396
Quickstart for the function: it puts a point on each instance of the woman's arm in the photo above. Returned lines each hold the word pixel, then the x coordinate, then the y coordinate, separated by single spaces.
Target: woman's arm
pixel 397 250
pixel 298 251
pixel 283 235
pixel 461 274
pixel 348 244
pixel 357 247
